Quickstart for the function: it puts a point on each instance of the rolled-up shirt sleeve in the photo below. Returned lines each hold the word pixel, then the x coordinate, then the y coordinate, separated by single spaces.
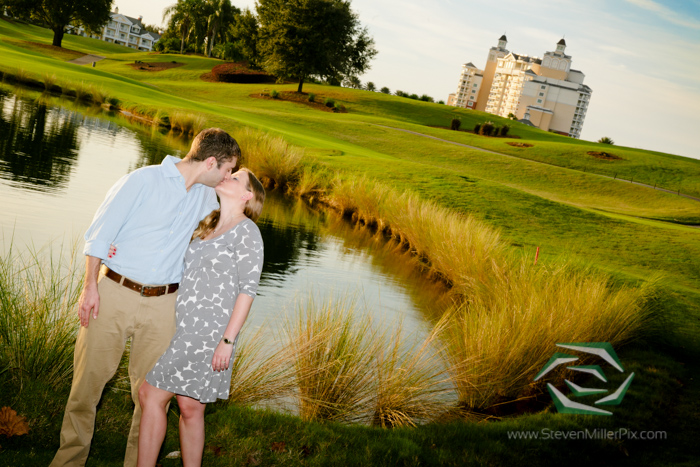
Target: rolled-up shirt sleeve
pixel 120 201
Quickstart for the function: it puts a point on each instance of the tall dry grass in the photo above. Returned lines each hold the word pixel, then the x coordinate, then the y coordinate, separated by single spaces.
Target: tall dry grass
pixel 187 123
pixel 331 352
pixel 39 292
pixel 411 384
pixel 274 161
pixel 495 343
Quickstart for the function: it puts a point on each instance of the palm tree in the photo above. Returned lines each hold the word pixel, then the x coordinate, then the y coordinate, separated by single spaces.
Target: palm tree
pixel 183 16
pixel 606 140
pixel 221 16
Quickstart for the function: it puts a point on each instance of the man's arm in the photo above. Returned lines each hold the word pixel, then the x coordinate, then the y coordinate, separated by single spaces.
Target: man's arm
pixel 89 301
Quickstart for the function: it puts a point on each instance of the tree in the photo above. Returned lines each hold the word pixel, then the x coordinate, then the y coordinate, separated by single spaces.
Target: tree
pixel 385 90
pixel 370 86
pixel 57 14
pixel 221 15
pixel 183 16
pixel 606 140
pixel 304 38
pixel 244 35
pixel 353 82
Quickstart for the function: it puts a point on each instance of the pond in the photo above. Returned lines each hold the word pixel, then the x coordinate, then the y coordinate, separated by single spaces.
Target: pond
pixel 57 163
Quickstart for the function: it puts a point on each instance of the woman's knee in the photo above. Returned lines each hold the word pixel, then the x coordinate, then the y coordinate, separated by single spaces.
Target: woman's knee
pixel 190 408
pixel 150 395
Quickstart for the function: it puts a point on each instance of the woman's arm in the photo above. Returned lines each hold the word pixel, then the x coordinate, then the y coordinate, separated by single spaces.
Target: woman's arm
pixel 222 355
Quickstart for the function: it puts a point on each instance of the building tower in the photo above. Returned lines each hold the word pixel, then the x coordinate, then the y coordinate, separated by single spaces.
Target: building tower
pixel 495 53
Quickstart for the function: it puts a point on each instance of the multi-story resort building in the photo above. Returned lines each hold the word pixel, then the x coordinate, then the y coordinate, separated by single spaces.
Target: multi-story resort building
pixel 544 92
pixel 123 30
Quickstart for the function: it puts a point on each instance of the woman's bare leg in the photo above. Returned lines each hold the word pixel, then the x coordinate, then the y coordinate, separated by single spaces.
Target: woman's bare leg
pixel 191 430
pixel 154 402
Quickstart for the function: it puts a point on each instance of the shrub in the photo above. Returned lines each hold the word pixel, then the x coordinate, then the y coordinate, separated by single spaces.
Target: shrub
pixel 486 129
pixel 385 90
pixel 477 128
pixel 400 93
pixel 426 98
pixel 370 86
pixel 274 94
pixel 441 102
pixel 240 73
pixel 606 140
pixel 456 123
pixel 329 102
pixel 511 116
pixel 339 108
pixel 413 96
pixel 504 130
pixel 312 97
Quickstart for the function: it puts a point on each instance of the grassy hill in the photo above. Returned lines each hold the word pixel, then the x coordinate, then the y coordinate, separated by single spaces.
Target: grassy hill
pixel 552 195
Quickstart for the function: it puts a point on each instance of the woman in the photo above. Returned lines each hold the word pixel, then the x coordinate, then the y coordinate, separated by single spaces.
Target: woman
pixel 222 270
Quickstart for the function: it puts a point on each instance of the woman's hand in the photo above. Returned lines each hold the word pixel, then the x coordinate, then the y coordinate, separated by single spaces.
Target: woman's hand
pixel 222 356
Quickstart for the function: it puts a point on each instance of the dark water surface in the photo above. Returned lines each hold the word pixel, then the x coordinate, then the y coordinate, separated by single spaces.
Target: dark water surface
pixel 57 163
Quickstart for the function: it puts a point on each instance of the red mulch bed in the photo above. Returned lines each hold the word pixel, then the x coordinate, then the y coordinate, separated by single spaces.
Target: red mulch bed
pixel 236 72
pixel 519 145
pixel 604 155
pixel 154 66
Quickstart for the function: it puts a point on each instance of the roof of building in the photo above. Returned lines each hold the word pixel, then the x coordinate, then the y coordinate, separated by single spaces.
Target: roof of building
pixel 526 58
pixel 503 38
pixel 469 65
pixel 154 36
pixel 527 122
pixel 539 109
pixel 134 21
pixel 561 42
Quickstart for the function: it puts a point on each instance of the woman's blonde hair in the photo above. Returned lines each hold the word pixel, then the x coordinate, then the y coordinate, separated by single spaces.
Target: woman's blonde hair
pixel 253 207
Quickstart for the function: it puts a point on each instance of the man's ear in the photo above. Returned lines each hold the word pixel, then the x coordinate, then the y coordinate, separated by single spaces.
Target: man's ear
pixel 211 162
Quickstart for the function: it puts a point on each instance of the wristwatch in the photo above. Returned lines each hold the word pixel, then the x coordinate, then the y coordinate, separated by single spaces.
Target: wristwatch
pixel 225 340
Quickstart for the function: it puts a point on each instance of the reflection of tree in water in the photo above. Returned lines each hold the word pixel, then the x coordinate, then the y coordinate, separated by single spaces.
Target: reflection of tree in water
pixel 155 144
pixel 290 237
pixel 38 145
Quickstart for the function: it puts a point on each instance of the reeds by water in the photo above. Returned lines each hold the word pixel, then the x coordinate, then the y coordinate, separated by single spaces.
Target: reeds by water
pixel 39 292
pixel 187 123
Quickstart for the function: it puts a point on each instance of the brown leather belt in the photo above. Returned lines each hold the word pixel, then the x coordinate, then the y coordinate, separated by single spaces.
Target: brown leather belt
pixel 144 290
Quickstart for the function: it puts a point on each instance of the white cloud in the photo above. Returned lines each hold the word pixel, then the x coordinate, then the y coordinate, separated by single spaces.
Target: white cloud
pixel 666 13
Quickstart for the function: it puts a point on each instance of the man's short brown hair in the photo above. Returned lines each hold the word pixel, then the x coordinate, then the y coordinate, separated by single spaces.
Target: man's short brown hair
pixel 214 142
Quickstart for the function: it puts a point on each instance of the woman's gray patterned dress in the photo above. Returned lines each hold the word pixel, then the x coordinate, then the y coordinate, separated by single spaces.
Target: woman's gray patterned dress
pixel 216 271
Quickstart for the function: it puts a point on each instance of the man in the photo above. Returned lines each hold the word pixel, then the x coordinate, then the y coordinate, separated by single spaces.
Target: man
pixel 148 216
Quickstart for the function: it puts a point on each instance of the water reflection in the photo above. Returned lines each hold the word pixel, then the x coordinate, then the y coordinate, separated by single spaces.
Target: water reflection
pixel 38 145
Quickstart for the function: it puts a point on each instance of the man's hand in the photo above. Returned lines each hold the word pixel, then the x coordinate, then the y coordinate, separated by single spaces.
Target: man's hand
pixel 89 303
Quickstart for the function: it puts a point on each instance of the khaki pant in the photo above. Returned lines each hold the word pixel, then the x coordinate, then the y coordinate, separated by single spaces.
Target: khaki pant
pixel 123 313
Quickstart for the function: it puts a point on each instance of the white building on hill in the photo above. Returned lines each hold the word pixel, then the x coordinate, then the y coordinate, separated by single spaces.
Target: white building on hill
pixel 546 91
pixel 124 30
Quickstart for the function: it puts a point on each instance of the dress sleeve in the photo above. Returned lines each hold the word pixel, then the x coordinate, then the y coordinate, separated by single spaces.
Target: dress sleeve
pixel 249 257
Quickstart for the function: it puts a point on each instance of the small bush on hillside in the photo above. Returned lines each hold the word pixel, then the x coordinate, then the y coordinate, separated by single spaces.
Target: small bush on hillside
pixel 413 96
pixel 329 102
pixel 511 116
pixel 274 94
pixel 606 140
pixel 312 97
pixel 400 93
pixel 339 108
pixel 385 90
pixel 441 102
pixel 426 98
pixel 486 129
pixel 477 128
pixel 456 123
pixel 504 130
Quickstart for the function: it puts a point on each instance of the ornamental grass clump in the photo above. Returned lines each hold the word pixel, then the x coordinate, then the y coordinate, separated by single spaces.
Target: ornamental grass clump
pixel 411 382
pixel 39 293
pixel 495 343
pixel 274 161
pixel 332 350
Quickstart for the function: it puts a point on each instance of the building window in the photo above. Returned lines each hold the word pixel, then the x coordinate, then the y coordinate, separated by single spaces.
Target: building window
pixel 539 101
pixel 471 98
pixel 543 87
pixel 541 94
pixel 473 91
pixel 474 84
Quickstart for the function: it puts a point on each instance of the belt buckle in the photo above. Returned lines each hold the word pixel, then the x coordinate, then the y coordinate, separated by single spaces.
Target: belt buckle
pixel 143 288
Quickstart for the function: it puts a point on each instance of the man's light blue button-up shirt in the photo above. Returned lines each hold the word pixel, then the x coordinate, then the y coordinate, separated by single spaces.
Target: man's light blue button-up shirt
pixel 149 216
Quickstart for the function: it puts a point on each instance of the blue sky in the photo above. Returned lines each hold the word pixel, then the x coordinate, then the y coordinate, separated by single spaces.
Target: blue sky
pixel 640 57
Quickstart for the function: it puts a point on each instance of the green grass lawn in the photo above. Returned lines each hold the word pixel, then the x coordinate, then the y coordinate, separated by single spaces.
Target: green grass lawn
pixel 550 195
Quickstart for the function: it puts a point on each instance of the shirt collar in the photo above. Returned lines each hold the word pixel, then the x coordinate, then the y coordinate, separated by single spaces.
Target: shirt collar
pixel 169 169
